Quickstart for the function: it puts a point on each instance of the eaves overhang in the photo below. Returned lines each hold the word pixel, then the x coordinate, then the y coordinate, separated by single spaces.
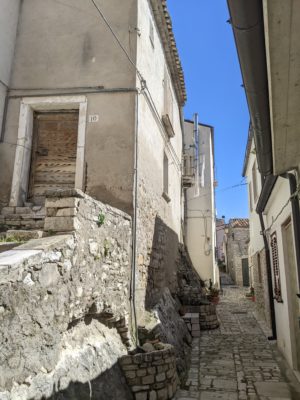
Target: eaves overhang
pixel 164 24
pixel 248 150
pixel 247 22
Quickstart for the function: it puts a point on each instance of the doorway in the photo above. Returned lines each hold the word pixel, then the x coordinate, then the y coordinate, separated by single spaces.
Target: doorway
pixel 292 289
pixel 54 147
pixel 245 272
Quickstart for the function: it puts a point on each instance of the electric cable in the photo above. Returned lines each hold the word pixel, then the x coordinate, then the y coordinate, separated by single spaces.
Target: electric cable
pixel 295 194
pixel 119 42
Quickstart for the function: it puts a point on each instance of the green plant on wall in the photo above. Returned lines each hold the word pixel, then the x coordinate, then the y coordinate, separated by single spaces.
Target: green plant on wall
pixel 101 219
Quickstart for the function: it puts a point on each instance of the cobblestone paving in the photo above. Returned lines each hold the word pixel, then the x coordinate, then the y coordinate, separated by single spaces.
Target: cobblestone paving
pixel 236 361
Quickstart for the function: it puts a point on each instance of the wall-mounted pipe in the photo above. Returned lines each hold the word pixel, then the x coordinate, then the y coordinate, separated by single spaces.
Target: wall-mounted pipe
pixel 134 222
pixel 296 220
pixel 269 279
pixel 246 17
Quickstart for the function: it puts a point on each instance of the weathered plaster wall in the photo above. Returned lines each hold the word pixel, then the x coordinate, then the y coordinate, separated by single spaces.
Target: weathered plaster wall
pixel 57 295
pixel 260 285
pixel 81 61
pixel 220 231
pixel 283 311
pixel 8 30
pixel 256 244
pixel 159 220
pixel 200 218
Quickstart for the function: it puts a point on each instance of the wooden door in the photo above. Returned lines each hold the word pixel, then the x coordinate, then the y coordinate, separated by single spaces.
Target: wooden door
pixel 245 272
pixel 53 162
pixel 292 289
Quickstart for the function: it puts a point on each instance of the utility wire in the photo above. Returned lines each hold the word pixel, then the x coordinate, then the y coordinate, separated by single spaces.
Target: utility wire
pixel 143 83
pixel 119 42
pixel 4 84
pixel 295 194
pixel 224 189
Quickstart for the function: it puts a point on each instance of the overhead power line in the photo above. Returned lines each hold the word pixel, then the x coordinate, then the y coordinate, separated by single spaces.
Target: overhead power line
pixel 295 194
pixel 119 42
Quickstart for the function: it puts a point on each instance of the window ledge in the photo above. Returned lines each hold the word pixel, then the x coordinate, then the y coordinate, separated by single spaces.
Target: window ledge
pixel 166 197
pixel 168 125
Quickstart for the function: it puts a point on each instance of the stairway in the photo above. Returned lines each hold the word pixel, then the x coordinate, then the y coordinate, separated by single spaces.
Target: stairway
pixel 29 217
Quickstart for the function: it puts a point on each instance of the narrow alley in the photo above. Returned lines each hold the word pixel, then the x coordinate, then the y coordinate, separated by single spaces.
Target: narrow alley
pixel 236 361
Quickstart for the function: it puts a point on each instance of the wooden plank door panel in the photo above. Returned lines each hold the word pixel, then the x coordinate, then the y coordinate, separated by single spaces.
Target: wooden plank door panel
pixel 53 162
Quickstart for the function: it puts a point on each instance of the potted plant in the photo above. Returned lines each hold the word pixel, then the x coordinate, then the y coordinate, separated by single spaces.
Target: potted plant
pixel 213 295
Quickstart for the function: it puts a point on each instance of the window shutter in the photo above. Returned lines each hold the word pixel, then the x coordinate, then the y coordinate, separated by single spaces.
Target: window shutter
pixel 275 263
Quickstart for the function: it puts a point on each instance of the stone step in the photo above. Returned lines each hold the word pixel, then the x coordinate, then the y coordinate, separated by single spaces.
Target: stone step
pixel 25 212
pixel 24 235
pixel 17 222
pixel 5 246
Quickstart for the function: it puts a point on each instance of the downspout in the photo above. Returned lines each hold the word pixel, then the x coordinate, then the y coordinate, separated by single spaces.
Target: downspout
pixel 296 219
pixel 134 223
pixel 246 18
pixel 269 276
pixel 183 202
pixel 196 139
pixel 4 115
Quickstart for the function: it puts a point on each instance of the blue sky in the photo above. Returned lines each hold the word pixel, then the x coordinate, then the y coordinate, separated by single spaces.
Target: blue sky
pixel 213 82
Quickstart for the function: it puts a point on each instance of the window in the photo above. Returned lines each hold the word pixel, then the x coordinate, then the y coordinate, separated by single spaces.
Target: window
pixel 151 33
pixel 254 182
pixel 168 96
pixel 275 263
pixel 166 178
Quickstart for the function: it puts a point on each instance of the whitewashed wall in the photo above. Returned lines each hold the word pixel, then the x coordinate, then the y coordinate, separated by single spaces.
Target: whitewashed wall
pixel 9 13
pixel 201 227
pixel 284 324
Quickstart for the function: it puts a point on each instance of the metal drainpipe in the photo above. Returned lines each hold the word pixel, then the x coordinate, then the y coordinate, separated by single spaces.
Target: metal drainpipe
pixel 269 275
pixel 296 220
pixel 134 222
pixel 4 115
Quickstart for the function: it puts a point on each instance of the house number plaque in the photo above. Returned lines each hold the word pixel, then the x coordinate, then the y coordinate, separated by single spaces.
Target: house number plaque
pixel 94 118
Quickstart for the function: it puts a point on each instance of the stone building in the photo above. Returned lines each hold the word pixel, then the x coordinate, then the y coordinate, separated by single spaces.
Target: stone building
pixel 8 30
pixel 236 248
pixel 257 254
pixel 220 232
pixel 116 127
pixel 270 64
pixel 199 183
pixel 96 118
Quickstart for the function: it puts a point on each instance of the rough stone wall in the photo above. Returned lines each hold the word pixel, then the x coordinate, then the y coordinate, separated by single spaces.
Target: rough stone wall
pixel 260 284
pixel 157 245
pixel 151 376
pixel 56 296
pixel 237 247
pixel 190 289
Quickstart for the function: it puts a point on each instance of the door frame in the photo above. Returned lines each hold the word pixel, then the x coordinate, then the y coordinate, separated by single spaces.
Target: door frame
pixel 247 259
pixel 290 302
pixel 19 189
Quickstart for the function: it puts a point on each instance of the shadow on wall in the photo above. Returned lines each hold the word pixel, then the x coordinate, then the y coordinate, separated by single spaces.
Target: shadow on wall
pixel 110 385
pixel 168 261
pixel 163 291
pixel 162 271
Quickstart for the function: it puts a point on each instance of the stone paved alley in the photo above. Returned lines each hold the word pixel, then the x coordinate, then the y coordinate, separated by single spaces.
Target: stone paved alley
pixel 236 361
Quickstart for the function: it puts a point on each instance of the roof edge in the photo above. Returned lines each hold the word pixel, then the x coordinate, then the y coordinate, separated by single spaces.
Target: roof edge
pixel 164 24
pixel 248 150
pixel 199 123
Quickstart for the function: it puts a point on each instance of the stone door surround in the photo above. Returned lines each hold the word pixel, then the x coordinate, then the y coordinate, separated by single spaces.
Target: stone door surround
pixel 28 105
